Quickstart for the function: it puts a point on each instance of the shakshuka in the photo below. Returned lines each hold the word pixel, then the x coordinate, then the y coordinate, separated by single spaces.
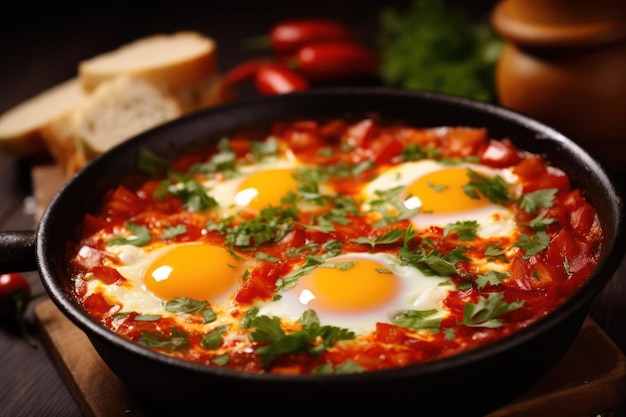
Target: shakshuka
pixel 335 246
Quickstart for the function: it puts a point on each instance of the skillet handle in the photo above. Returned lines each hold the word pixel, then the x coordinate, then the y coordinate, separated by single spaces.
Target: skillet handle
pixel 17 251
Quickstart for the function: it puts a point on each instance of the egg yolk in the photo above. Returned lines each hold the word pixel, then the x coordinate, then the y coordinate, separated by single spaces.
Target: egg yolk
pixel 198 271
pixel 442 192
pixel 266 188
pixel 347 285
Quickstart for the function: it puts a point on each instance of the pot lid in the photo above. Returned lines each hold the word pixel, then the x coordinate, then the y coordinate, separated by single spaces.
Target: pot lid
pixel 560 23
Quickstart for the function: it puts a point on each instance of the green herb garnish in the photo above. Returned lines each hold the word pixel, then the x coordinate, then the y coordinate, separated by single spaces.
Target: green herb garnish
pixel 486 311
pixel 140 236
pixel 276 342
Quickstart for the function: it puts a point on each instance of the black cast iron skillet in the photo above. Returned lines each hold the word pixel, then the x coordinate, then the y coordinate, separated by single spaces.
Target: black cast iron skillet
pixel 470 384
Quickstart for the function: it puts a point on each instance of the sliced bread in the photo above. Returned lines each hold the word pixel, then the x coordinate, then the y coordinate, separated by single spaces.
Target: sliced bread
pixel 119 109
pixel 59 136
pixel 181 63
pixel 20 126
pixel 82 117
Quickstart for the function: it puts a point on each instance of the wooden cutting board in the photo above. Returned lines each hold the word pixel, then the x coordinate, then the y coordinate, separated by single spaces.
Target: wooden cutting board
pixel 590 380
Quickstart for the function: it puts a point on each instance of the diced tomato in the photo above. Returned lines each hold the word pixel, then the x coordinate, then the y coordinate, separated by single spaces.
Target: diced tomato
pixel 96 305
pixel 92 224
pixel 108 275
pixel 456 300
pixel 566 249
pixel 389 333
pixel 385 148
pixel 537 175
pixel 463 141
pixel 584 220
pixel 184 163
pixel 359 133
pixel 521 274
pixel 88 257
pixel 333 130
pixel 192 233
pixel 301 140
pixel 581 216
pixel 555 179
pixel 530 168
pixel 261 284
pixel 499 154
pixel 301 136
pixel 124 203
pixel 240 146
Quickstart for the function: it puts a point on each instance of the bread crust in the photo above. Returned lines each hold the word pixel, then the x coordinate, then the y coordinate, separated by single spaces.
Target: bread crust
pixel 20 127
pixel 59 135
pixel 186 57
pixel 181 66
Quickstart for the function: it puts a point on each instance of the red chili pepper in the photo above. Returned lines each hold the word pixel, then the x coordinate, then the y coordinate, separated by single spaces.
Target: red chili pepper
pixel 15 294
pixel 243 72
pixel 288 36
pixel 274 79
pixel 12 287
pixel 335 61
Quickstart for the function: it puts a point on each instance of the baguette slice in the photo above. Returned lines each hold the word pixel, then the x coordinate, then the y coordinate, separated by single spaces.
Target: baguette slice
pixel 59 135
pixel 179 63
pixel 117 110
pixel 20 127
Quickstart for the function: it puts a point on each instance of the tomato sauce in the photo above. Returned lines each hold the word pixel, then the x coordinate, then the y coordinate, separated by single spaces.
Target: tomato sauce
pixel 537 280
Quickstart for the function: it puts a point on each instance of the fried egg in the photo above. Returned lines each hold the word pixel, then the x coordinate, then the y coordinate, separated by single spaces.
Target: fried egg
pixel 436 191
pixel 199 271
pixel 358 290
pixel 256 186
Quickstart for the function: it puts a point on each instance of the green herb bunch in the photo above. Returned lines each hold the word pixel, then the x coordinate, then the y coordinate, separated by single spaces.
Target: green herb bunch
pixel 434 46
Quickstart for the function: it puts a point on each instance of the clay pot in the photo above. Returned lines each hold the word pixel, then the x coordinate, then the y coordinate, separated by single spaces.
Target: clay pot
pixel 564 63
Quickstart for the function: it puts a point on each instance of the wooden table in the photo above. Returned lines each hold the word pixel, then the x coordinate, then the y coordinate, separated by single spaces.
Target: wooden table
pixel 41 45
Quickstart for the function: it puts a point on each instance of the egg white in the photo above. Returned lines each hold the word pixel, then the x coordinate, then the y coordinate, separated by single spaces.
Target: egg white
pixel 416 292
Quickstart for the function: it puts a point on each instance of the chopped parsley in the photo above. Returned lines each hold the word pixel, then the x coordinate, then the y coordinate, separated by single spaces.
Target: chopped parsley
pixel 533 244
pixel 540 223
pixel 270 226
pixel 418 320
pixel 151 164
pixel 465 230
pixel 487 311
pixel 140 236
pixel 390 208
pixel 392 236
pixel 222 161
pixel 184 305
pixel 173 231
pixel 175 340
pixel 192 194
pixel 490 278
pixel 495 189
pixel 538 199
pixel 431 261
pixel 313 338
pixel 496 252
pixel 347 367
pixel 213 339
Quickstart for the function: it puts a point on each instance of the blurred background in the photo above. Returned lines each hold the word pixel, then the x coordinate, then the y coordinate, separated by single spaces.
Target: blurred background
pixel 35 33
